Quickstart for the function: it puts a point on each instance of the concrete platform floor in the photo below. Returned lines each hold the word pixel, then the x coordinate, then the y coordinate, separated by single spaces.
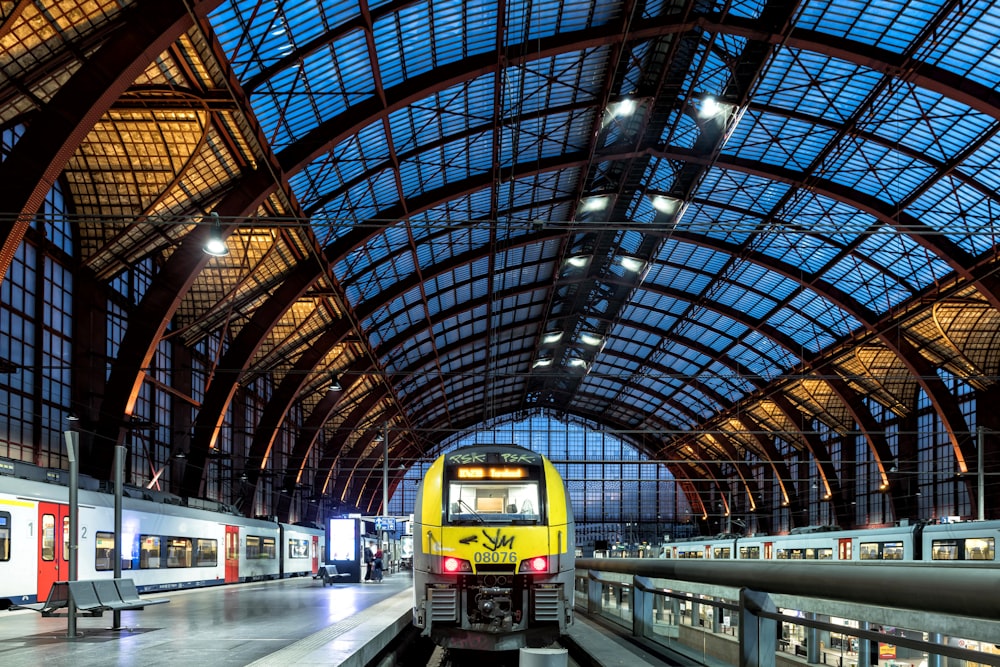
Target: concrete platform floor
pixel 232 625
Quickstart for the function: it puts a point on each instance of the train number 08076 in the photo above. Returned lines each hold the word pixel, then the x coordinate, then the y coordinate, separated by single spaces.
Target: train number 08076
pixel 495 557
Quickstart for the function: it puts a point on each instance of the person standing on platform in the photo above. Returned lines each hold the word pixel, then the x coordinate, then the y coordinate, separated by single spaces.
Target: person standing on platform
pixel 369 561
pixel 377 573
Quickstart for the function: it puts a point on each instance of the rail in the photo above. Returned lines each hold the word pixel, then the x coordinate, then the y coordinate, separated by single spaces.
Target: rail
pixel 670 602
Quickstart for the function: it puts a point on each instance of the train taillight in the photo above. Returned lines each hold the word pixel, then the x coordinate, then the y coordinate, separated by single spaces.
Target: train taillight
pixel 536 564
pixel 453 565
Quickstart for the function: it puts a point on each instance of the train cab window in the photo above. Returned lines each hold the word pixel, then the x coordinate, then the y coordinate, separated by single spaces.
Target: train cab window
pixel 149 552
pixel 493 501
pixel 979 548
pixel 206 553
pixel 4 536
pixel 48 537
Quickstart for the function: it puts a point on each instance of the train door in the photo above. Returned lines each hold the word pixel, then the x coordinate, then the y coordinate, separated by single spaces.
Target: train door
pixel 315 554
pixel 232 554
pixel 844 551
pixel 768 550
pixel 53 546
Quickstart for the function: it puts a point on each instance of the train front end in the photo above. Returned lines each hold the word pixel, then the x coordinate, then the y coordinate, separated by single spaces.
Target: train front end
pixel 494 547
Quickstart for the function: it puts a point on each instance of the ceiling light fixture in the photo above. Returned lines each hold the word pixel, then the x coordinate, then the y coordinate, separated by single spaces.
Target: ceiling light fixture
pixel 578 261
pixel 596 203
pixel 541 362
pixel 334 384
pixel 632 264
pixel 552 337
pixel 665 204
pixel 588 338
pixel 216 245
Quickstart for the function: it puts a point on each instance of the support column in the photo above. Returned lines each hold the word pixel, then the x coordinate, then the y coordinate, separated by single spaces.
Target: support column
pixel 812 641
pixel 642 607
pixel 758 635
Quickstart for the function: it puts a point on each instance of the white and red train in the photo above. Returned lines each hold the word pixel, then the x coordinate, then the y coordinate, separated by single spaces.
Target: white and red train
pixel 942 543
pixel 164 545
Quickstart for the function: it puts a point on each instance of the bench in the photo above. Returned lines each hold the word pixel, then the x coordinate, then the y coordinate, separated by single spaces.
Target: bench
pixel 329 574
pixel 92 597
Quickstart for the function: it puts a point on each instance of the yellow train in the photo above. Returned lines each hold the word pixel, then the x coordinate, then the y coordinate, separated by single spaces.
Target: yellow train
pixel 493 550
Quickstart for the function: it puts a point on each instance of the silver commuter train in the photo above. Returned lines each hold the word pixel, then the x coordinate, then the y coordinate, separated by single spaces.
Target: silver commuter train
pixel 165 546
pixel 941 543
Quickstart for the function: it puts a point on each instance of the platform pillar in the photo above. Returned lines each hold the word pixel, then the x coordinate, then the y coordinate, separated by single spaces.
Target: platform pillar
pixel 758 634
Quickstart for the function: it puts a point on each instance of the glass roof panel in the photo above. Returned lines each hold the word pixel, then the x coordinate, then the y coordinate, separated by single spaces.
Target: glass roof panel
pixel 871 287
pixel 287 106
pixel 891 25
pixel 876 170
pixel 761 357
pixel 423 35
pixel 984 164
pixel 710 329
pixel 967 44
pixel 729 188
pixel 916 265
pixel 794 143
pixel 812 84
pixel 962 213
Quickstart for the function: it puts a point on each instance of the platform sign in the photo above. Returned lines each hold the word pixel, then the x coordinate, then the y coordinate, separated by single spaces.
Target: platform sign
pixel 386 523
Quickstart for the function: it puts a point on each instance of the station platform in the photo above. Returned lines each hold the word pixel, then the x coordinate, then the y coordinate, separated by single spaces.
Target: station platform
pixel 289 622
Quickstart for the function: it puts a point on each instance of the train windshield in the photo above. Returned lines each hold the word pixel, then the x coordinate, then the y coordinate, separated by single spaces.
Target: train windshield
pixel 493 502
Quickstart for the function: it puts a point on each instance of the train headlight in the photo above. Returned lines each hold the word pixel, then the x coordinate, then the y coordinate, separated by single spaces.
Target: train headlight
pixel 536 564
pixel 453 565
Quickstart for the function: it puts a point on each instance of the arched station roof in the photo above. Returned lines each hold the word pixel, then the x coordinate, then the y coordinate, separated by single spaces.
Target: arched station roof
pixel 712 226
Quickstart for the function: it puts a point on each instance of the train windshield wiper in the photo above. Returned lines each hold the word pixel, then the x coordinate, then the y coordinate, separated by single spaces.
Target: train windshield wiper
pixel 474 512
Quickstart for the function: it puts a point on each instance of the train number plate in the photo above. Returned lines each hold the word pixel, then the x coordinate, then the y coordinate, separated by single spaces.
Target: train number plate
pixel 495 557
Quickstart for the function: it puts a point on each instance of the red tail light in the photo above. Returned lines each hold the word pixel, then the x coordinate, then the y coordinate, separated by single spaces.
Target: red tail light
pixel 536 564
pixel 454 565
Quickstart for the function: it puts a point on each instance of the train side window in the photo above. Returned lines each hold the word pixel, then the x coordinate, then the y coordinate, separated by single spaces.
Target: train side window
pixel 749 552
pixel 48 537
pixel 179 552
pixel 979 548
pixel 206 553
pixel 149 552
pixel 253 547
pixel 868 551
pixel 104 551
pixel 825 553
pixel 298 548
pixel 268 548
pixel 944 550
pixel 4 536
pixel 892 551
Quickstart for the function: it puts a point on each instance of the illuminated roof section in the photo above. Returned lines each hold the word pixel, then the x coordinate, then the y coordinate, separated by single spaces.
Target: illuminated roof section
pixel 649 218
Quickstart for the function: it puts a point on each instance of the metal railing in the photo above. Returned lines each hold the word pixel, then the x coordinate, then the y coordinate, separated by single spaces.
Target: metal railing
pixel 776 613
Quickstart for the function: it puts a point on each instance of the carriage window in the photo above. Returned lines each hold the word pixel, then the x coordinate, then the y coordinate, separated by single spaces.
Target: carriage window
pixel 721 552
pixel 892 551
pixel 825 553
pixel 268 549
pixel 298 548
pixel 979 548
pixel 149 552
pixel 179 552
pixel 4 536
pixel 944 550
pixel 480 501
pixel 206 553
pixel 868 551
pixel 253 547
pixel 750 552
pixel 104 556
pixel 66 538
